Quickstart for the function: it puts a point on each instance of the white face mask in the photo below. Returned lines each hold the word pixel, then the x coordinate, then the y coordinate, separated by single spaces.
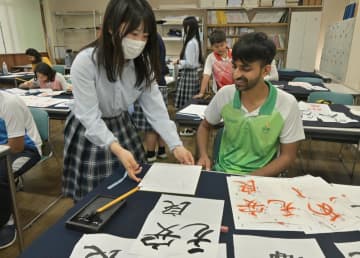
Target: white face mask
pixel 132 48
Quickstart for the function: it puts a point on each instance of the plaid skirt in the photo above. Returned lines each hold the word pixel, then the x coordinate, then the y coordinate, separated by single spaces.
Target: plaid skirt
pixel 85 164
pixel 138 116
pixel 187 86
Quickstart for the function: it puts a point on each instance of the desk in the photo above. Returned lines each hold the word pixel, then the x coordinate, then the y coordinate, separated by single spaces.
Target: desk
pixel 10 80
pixel 291 74
pixel 127 222
pixel 299 93
pixel 54 111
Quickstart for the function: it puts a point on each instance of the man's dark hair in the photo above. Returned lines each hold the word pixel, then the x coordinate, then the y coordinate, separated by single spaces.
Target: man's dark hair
pixel 217 36
pixel 252 47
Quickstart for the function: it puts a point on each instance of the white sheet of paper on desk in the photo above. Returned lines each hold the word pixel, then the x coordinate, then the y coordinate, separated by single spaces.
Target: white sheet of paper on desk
pixel 349 249
pixel 97 245
pixel 194 109
pixel 171 178
pixel 41 102
pixel 275 247
pixel 17 91
pixel 289 204
pixel 222 251
pixel 181 226
pixel 304 85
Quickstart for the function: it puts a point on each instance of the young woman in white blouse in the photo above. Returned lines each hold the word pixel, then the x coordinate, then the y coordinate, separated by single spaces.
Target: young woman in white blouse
pixel 108 76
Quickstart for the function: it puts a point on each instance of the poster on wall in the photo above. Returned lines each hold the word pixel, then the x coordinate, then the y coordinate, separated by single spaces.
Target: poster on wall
pixel 336 51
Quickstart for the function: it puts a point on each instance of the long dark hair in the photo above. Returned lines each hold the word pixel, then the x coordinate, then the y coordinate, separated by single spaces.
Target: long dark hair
pixel 45 69
pixel 191 29
pixel 33 52
pixel 108 48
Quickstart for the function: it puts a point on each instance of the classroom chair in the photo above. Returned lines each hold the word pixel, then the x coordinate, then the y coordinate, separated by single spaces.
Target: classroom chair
pixel 335 98
pixel 309 80
pixel 41 119
pixel 216 146
pixel 59 69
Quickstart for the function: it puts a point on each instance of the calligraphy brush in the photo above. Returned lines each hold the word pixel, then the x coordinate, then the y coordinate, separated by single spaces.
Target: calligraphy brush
pixel 93 217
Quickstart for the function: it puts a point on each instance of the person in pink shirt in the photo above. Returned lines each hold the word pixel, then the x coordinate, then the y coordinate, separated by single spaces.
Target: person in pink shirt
pixel 46 77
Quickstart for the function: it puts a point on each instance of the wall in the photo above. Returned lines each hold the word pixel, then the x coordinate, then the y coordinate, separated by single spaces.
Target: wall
pixel 22 28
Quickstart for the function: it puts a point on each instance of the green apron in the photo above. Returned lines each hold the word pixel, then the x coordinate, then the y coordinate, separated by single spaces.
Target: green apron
pixel 249 143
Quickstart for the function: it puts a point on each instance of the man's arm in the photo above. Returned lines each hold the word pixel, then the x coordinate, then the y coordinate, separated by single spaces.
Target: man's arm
pixel 202 137
pixel 16 144
pixel 286 158
pixel 204 84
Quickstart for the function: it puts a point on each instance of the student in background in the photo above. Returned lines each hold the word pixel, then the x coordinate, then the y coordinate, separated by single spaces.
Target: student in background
pixel 46 78
pixel 218 63
pixel 18 131
pixel 190 61
pixel 153 139
pixel 108 76
pixel 258 118
pixel 35 57
pixel 273 75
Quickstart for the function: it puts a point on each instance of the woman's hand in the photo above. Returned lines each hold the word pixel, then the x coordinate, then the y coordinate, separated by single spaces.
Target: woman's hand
pixel 127 159
pixel 25 85
pixel 198 96
pixel 183 155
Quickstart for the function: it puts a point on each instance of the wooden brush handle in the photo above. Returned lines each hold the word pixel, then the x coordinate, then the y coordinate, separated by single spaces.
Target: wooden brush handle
pixel 117 200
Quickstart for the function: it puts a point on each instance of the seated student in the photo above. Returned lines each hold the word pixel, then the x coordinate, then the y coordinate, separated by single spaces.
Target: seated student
pixel 18 130
pixel 46 77
pixel 273 75
pixel 217 63
pixel 35 58
pixel 258 119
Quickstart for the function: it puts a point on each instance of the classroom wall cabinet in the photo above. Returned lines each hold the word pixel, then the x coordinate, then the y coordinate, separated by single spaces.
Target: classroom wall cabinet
pixel 239 21
pixel 75 29
pixel 235 21
pixel 171 29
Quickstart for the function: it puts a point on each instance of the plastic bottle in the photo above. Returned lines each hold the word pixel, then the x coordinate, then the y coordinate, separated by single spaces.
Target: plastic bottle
pixel 4 68
pixel 68 58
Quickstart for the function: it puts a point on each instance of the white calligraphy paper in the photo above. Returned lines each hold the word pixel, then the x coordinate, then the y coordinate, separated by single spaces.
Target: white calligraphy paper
pixel 181 226
pixel 102 245
pixel 350 249
pixel 265 203
pixel 254 246
pixel 171 178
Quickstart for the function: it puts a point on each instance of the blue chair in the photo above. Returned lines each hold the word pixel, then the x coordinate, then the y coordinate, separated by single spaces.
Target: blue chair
pixel 333 97
pixel 308 79
pixel 41 119
pixel 59 68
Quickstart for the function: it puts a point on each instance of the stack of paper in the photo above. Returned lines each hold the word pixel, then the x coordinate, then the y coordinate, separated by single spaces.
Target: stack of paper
pixel 292 2
pixel 250 3
pixel 219 3
pixel 206 3
pixel 266 3
pixel 234 3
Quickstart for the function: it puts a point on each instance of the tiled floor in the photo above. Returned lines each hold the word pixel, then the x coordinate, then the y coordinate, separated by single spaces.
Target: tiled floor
pixel 43 183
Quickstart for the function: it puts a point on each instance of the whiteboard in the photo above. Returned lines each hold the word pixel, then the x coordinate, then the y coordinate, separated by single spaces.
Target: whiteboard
pixel 303 40
pixel 336 51
pixel 21 25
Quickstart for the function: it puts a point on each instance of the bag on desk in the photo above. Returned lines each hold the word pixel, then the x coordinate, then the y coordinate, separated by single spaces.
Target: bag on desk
pixel 324 101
